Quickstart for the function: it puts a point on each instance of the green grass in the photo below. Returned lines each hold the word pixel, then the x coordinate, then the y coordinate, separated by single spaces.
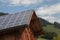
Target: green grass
pixel 50 28
pixel 39 38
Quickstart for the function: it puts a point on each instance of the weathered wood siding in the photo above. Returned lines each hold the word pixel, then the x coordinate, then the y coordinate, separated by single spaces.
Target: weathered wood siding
pixel 35 25
pixel 27 34
pixel 12 35
pixel 7 37
pixel 21 34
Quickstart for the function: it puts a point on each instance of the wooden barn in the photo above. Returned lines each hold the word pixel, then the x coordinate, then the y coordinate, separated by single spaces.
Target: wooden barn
pixel 20 26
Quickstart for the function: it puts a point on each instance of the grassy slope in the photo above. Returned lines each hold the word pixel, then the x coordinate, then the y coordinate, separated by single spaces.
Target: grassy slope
pixel 50 28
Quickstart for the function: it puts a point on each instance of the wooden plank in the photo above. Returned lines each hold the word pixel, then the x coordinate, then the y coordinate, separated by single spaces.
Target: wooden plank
pixel 7 37
pixel 27 35
pixel 35 25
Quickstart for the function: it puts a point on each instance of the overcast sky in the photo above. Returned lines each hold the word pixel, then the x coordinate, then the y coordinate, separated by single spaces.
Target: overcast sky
pixel 46 9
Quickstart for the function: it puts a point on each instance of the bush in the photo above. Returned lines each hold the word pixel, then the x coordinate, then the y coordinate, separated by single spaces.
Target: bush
pixel 49 35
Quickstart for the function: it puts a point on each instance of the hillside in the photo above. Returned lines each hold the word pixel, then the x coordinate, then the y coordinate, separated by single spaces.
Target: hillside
pixel 44 22
pixel 50 29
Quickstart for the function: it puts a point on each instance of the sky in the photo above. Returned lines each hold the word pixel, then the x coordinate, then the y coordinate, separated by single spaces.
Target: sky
pixel 46 9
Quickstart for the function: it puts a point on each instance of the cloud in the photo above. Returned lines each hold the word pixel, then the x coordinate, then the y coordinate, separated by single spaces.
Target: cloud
pixel 31 1
pixel 58 21
pixel 49 18
pixel 21 2
pixel 47 12
pixel 49 0
pixel 14 2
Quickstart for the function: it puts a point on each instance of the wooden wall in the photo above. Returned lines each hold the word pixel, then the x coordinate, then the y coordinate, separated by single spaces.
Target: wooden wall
pixel 9 36
pixel 12 35
pixel 21 34
pixel 35 25
pixel 27 34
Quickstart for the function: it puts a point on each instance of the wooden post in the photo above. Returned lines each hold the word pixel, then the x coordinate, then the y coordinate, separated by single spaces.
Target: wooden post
pixel 27 35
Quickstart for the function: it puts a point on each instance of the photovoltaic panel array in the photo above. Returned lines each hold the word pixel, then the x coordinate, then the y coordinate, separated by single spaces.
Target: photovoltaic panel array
pixel 12 20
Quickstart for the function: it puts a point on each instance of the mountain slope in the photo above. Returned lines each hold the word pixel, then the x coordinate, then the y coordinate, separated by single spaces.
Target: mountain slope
pixel 49 28
pixel 44 22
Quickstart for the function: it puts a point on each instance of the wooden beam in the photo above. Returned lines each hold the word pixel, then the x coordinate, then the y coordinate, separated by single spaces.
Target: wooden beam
pixel 27 35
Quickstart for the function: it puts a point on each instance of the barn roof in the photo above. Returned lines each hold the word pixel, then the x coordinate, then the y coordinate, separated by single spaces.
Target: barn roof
pixel 17 19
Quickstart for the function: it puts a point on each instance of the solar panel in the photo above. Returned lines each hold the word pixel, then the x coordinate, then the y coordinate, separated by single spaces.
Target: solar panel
pixel 2 19
pixel 9 23
pixel 26 17
pixel 2 25
pixel 17 19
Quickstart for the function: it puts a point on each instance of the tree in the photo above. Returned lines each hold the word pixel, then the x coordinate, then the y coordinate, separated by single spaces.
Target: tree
pixel 49 35
pixel 1 13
